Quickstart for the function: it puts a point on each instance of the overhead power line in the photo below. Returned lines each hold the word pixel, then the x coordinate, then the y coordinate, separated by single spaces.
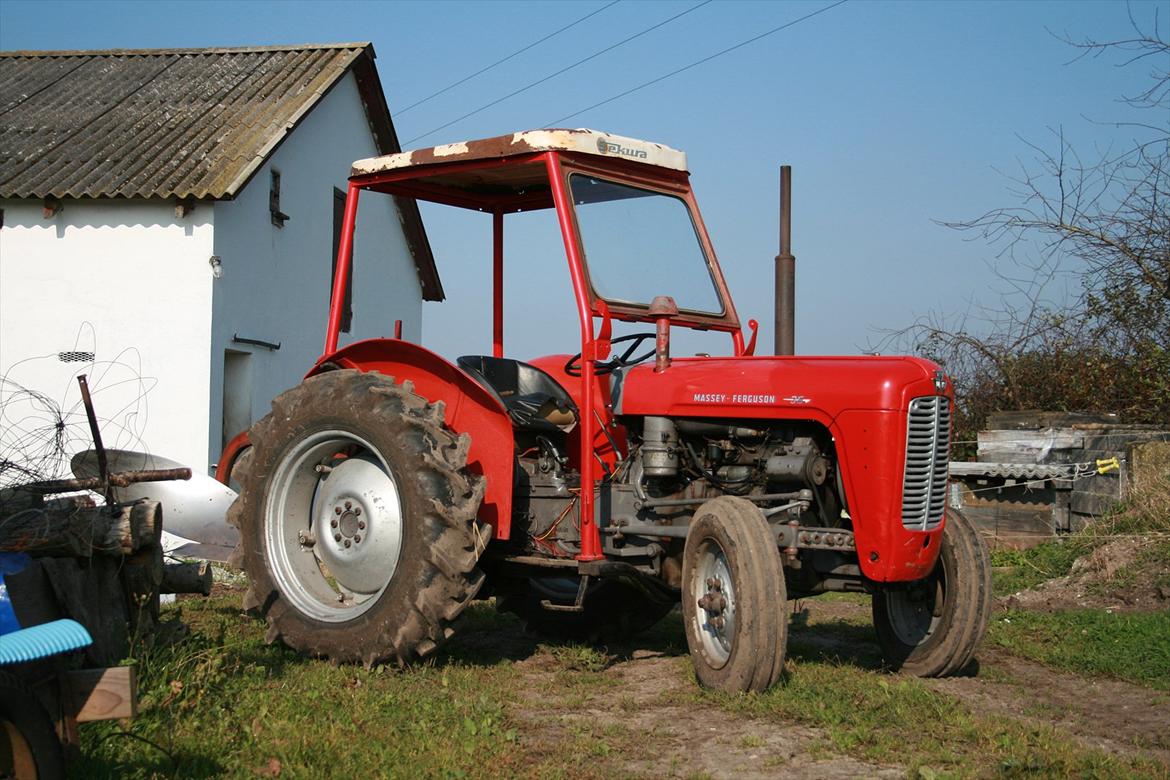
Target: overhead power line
pixel 565 69
pixel 516 53
pixel 696 63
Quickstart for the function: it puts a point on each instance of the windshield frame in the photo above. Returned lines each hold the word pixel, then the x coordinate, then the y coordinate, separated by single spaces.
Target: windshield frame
pixel 677 187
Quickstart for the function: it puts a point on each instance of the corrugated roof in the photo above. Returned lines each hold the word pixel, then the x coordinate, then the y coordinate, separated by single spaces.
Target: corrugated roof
pixel 174 122
pixel 153 123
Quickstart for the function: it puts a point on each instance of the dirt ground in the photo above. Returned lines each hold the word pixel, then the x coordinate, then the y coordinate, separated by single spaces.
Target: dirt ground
pixel 1110 715
pixel 1114 577
pixel 663 738
pixel 653 733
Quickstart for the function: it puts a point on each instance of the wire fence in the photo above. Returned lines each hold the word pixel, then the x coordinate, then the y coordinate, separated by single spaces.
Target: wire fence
pixel 40 429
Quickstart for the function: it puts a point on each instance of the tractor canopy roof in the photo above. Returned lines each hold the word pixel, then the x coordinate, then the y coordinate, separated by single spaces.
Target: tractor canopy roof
pixel 622 200
pixel 581 140
pixel 507 172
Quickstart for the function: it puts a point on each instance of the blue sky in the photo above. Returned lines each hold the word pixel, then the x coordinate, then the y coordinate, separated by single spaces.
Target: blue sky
pixel 892 114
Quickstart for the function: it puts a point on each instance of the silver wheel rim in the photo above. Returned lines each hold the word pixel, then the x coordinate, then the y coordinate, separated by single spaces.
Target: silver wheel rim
pixel 713 590
pixel 333 526
pixel 912 610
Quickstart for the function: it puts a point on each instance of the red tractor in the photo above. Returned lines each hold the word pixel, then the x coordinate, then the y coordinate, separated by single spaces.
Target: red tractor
pixel 591 493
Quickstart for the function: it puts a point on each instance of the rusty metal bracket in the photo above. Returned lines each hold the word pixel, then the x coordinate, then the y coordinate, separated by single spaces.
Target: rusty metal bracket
pixel 95 431
pixel 238 339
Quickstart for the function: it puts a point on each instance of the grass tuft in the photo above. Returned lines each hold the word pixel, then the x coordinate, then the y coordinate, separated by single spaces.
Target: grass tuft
pixel 1132 646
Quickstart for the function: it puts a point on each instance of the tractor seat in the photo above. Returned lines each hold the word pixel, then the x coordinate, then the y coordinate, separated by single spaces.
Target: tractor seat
pixel 534 400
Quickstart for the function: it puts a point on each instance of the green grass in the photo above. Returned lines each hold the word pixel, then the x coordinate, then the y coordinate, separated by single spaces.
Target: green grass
pixel 1132 646
pixel 223 703
pixel 889 719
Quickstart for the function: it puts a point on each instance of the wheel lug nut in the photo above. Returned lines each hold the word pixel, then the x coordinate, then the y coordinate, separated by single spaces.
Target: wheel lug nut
pixel 337 537
pixel 336 510
pixel 362 525
pixel 349 505
pixel 357 510
pixel 348 543
pixel 710 582
pixel 333 523
pixel 357 538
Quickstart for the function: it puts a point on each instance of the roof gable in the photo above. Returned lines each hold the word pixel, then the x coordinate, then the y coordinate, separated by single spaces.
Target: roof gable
pixel 185 123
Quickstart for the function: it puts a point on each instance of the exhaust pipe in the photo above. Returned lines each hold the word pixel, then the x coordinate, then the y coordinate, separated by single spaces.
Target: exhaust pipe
pixel 785 332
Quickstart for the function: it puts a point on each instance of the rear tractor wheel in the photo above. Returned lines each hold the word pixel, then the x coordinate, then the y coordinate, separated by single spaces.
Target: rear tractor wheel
pixel 734 598
pixel 357 520
pixel 931 628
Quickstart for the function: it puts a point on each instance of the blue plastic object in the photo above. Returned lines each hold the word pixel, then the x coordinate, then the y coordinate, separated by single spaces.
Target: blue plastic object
pixel 10 563
pixel 29 644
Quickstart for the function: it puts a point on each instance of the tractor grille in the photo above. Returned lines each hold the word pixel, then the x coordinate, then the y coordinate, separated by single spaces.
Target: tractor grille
pixel 928 440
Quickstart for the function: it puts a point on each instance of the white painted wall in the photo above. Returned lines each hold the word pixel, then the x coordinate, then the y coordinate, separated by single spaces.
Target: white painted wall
pixel 275 283
pixel 129 281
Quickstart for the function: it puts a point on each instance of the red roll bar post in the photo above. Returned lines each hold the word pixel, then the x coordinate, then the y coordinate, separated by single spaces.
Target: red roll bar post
pixel 341 275
pixel 590 535
pixel 498 284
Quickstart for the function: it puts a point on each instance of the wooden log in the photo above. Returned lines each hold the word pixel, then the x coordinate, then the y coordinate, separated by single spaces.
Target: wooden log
pixel 17 499
pixel 142 575
pixel 187 578
pixel 119 479
pixel 70 532
pixel 146 518
pixel 149 561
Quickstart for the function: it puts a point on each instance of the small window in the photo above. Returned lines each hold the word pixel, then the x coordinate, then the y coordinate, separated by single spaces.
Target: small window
pixel 338 221
pixel 278 216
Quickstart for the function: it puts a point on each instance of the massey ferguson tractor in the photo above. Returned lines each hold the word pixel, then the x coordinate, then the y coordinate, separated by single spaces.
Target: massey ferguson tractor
pixel 591 493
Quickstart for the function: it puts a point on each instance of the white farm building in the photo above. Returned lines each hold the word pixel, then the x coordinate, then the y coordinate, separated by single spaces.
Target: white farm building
pixel 168 222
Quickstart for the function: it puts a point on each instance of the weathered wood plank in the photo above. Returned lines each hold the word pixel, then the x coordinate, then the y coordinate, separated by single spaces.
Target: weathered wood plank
pixel 101 694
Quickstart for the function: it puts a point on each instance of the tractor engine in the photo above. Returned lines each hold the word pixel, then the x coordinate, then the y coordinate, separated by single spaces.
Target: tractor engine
pixel 703 458
pixel 674 465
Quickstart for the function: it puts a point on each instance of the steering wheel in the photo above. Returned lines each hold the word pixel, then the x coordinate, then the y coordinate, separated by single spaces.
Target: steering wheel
pixel 626 358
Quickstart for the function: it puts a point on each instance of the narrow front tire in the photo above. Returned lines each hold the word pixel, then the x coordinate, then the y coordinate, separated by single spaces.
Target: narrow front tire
pixel 932 627
pixel 733 597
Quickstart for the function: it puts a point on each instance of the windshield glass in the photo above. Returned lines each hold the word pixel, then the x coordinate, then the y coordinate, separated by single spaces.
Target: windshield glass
pixel 639 244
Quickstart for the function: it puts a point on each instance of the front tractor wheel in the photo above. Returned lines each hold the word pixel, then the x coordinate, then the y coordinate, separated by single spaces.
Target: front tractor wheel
pixel 357 520
pixel 734 597
pixel 932 627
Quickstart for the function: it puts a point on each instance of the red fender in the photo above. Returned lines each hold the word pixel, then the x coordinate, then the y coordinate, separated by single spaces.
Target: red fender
pixel 470 409
pixel 231 453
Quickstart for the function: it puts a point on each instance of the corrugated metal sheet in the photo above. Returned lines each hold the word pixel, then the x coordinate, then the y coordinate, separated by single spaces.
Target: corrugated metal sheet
pixel 153 123
pixel 1013 470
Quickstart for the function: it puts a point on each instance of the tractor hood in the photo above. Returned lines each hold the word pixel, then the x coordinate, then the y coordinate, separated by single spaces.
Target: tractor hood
pixel 775 387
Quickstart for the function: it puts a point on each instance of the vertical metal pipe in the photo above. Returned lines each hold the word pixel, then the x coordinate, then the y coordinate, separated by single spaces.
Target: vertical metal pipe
pixel 498 284
pixel 785 332
pixel 96 432
pixel 341 277
pixel 590 535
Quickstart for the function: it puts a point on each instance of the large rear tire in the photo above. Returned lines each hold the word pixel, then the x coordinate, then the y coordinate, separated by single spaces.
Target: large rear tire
pixel 357 520
pixel 734 597
pixel 931 628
